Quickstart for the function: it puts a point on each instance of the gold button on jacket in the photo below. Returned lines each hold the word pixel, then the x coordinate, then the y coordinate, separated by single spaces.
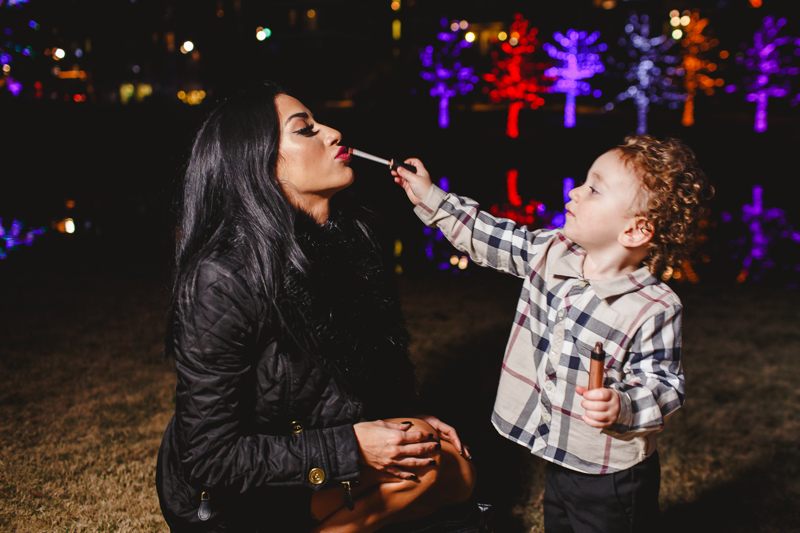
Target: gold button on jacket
pixel 297 427
pixel 316 476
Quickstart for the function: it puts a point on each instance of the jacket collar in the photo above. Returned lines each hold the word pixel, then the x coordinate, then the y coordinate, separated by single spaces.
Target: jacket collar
pixel 570 265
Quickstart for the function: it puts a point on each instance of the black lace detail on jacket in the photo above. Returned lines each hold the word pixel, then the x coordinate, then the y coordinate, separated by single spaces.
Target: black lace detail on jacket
pixel 345 313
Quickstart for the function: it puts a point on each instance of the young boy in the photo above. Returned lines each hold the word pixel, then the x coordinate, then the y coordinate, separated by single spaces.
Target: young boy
pixel 594 280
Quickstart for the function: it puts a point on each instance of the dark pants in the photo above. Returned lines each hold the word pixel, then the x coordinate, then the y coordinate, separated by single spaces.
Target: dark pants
pixel 605 503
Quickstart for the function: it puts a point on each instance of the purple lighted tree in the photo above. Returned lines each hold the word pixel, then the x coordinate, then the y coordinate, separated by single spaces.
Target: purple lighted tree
pixel 443 68
pixel 13 49
pixel 768 249
pixel 579 60
pixel 769 66
pixel 559 218
pixel 650 71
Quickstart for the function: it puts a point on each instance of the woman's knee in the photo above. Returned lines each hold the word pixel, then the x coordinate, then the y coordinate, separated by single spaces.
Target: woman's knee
pixel 426 475
pixel 459 476
pixel 452 476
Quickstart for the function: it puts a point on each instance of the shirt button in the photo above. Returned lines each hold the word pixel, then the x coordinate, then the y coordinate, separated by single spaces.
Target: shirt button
pixel 583 283
pixel 553 353
pixel 546 417
pixel 549 386
pixel 316 476
pixel 561 314
pixel 297 427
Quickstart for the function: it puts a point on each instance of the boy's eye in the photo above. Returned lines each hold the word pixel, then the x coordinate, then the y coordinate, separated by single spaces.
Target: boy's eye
pixel 594 191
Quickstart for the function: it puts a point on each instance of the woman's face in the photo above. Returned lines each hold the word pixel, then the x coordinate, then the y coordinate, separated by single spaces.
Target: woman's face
pixel 312 164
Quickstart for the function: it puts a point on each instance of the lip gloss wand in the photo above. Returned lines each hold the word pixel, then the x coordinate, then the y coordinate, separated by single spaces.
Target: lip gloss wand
pixel 393 164
pixel 596 368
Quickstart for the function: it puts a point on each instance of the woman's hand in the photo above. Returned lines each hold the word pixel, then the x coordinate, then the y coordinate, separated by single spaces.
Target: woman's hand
pixel 388 447
pixel 446 432
pixel 601 405
pixel 415 185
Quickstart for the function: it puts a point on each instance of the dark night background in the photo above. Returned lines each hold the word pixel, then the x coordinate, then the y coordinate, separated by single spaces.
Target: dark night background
pixel 120 164
pixel 81 315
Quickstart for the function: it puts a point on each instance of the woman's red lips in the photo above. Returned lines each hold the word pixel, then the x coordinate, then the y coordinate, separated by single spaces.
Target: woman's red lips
pixel 343 153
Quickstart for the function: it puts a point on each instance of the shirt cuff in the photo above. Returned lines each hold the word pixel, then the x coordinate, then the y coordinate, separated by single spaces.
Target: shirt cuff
pixel 428 206
pixel 625 417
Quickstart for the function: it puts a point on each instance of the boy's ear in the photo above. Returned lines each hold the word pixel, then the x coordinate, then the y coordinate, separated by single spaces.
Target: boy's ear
pixel 637 233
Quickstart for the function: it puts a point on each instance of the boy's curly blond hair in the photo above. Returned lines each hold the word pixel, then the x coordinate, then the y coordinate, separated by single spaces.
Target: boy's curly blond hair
pixel 677 194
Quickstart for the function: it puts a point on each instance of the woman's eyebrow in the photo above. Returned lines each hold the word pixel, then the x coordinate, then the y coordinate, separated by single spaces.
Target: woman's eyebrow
pixel 302 114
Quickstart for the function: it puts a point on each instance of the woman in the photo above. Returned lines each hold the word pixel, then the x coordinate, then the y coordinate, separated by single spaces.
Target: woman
pixel 285 339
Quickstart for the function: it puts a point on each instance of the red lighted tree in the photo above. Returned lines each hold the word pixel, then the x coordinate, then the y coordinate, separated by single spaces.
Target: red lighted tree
pixel 515 78
pixel 531 215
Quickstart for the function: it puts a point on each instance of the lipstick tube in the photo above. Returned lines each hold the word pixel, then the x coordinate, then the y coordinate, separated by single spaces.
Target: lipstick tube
pixel 393 164
pixel 596 373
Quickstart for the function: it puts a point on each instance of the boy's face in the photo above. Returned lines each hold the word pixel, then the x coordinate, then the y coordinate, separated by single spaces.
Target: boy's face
pixel 605 205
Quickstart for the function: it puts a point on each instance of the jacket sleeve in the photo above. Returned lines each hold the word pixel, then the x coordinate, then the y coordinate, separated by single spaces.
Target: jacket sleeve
pixel 653 385
pixel 492 242
pixel 216 367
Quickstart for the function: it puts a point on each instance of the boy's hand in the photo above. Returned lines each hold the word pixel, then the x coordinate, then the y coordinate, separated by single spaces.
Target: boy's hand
pixel 601 405
pixel 415 185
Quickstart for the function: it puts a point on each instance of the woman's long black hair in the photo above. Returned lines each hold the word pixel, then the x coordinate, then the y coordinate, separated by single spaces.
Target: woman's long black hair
pixel 231 198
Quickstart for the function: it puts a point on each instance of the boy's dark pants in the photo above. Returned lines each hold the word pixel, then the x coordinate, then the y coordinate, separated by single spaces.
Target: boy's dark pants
pixel 606 503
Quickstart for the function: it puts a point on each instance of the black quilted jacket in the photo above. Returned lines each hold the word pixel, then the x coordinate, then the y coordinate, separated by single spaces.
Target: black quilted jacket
pixel 265 408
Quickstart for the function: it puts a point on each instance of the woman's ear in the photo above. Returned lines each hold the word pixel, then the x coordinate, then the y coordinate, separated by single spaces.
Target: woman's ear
pixel 637 233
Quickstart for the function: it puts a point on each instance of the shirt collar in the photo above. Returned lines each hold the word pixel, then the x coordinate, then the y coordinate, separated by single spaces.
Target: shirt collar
pixel 570 265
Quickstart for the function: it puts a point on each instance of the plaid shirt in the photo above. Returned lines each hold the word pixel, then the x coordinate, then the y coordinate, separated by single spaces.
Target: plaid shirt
pixel 559 318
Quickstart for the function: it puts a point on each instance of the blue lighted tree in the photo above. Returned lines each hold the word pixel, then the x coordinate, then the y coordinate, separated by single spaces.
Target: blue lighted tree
pixel 769 65
pixel 443 68
pixel 579 60
pixel 649 72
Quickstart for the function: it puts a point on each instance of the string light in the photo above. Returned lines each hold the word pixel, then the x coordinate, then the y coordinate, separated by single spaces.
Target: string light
pixel 531 215
pixel 15 237
pixel 443 68
pixel 695 66
pixel 559 218
pixel 514 76
pixel 770 67
pixel 579 60
pixel 767 229
pixel 650 72
pixel 263 33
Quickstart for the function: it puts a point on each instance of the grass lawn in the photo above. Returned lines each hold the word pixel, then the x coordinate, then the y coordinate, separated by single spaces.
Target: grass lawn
pixel 85 396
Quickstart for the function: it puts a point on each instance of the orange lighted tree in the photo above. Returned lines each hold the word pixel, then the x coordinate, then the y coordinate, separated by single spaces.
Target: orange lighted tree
pixel 695 66
pixel 514 76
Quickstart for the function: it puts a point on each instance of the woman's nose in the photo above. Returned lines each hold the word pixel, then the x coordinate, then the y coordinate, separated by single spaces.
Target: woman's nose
pixel 332 136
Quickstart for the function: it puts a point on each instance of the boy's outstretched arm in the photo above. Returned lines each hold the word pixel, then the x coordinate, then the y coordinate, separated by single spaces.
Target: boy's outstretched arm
pixel 492 242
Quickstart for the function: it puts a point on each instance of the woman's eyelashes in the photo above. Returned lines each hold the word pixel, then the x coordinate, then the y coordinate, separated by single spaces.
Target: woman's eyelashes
pixel 308 131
